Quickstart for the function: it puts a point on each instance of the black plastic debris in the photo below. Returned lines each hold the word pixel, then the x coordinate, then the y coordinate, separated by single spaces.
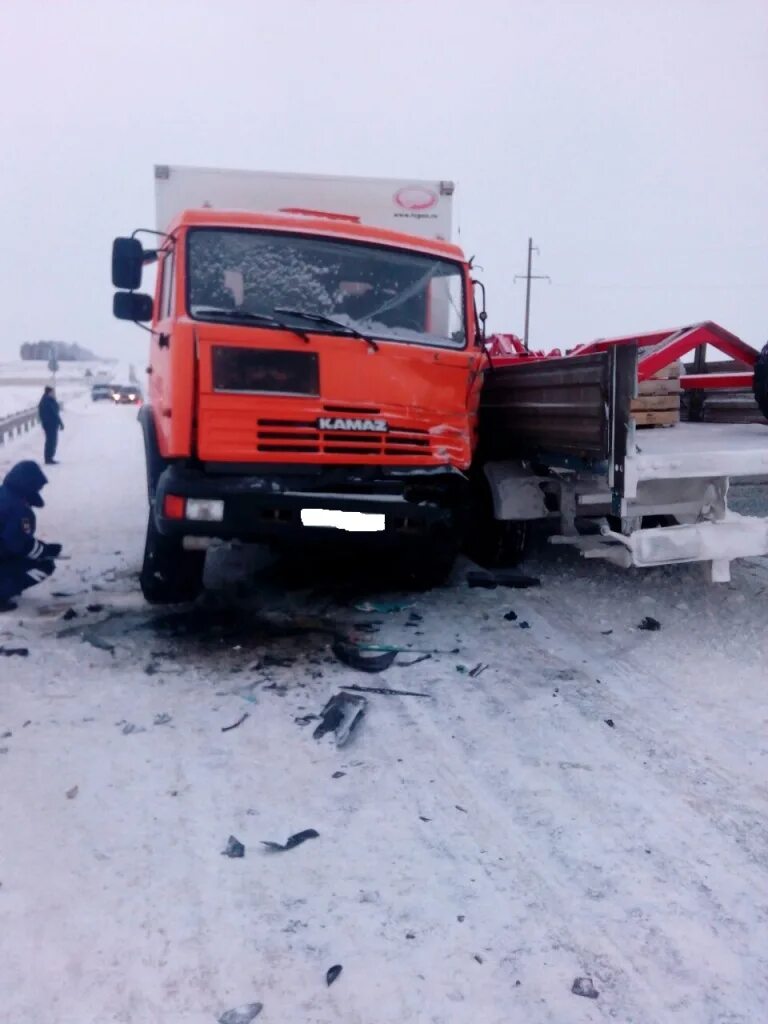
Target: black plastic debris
pixel 72 793
pixel 584 987
pixel 478 670
pixel 69 614
pixel 422 818
pixel 355 657
pixel 162 719
pixel 478 958
pixel 511 617
pixel 341 715
pixel 525 625
pixel 242 1014
pixel 338 775
pixel 234 848
pixel 610 723
pixel 14 652
pixel 501 578
pixel 606 632
pixel 385 691
pixel 650 624
pixel 241 719
pixel 305 719
pixel 415 661
pixel 462 809
pixel 294 840
pixel 332 974
pixel 93 608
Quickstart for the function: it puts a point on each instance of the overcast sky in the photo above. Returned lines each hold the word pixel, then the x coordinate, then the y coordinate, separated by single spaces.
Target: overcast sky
pixel 631 141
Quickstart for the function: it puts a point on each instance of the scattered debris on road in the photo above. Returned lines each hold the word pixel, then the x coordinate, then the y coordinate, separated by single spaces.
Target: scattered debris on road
pixel 162 719
pixel 332 974
pixel 478 670
pixel 129 728
pixel 385 691
pixel 511 617
pixel 242 1014
pixel 69 614
pixel 234 848
pixel 72 793
pixel 610 723
pixel 14 652
pixel 584 987
pixel 353 657
pixel 241 719
pixel 341 715
pixel 338 775
pixel 294 840
pixel 650 624
pixel 416 661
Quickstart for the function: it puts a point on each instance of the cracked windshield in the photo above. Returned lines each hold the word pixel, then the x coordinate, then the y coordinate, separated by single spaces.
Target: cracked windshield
pixel 388 294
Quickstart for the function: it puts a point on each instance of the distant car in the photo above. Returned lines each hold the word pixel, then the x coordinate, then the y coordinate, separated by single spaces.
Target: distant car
pixel 101 392
pixel 126 395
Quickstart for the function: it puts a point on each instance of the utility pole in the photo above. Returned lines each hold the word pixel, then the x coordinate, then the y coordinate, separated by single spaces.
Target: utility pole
pixel 528 278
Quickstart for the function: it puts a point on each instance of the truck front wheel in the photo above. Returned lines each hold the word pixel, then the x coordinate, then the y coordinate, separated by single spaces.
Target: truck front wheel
pixel 169 574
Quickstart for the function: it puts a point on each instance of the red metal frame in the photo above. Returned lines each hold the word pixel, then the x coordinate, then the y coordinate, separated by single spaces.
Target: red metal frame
pixel 658 349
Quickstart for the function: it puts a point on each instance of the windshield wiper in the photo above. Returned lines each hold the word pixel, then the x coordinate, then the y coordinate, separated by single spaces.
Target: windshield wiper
pixel 321 318
pixel 244 316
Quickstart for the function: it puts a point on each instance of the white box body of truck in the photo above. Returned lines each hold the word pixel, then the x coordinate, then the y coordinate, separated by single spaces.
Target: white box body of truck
pixel 407 205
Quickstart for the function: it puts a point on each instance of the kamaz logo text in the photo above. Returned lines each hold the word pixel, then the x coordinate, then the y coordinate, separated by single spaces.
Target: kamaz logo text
pixel 339 423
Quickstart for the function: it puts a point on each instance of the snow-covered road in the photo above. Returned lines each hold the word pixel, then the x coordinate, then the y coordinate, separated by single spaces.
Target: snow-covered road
pixel 593 803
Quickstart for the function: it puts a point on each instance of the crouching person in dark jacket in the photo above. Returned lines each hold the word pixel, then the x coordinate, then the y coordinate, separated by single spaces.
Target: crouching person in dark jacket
pixel 24 560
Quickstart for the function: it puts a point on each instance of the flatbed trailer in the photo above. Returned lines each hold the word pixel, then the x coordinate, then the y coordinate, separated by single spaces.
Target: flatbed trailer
pixel 559 441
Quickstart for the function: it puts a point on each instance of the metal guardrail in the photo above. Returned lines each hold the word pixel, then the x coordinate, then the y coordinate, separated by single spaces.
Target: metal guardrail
pixel 18 423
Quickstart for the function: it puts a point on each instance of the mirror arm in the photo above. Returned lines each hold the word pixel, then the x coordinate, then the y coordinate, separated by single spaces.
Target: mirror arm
pixel 151 231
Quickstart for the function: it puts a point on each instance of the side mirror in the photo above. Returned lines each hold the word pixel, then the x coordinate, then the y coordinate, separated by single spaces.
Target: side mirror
pixel 133 306
pixel 127 261
pixel 481 315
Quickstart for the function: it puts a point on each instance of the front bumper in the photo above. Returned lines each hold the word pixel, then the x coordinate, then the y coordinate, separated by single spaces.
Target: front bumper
pixel 267 505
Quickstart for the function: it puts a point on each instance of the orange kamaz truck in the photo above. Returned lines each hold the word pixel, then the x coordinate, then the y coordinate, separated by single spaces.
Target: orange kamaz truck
pixel 316 359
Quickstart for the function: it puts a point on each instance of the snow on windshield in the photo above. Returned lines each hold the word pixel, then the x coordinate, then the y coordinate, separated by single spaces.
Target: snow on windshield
pixel 392 294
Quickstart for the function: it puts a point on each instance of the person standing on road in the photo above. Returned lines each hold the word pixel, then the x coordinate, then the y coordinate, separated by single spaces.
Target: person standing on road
pixel 50 418
pixel 24 561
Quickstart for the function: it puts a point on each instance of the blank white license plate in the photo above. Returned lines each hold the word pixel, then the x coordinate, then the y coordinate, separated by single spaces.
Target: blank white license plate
pixel 353 522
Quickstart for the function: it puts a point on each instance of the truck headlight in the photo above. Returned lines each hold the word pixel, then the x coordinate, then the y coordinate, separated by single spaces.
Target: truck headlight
pixel 205 510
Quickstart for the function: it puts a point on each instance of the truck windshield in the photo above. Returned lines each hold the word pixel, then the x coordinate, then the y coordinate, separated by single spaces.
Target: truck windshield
pixel 388 294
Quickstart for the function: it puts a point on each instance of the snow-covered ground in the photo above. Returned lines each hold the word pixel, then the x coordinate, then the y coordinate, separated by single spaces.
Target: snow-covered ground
pixel 593 803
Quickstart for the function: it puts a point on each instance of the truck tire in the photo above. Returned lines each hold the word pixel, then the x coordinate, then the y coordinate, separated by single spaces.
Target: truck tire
pixel 431 565
pixel 169 574
pixel 490 542
pixel 760 381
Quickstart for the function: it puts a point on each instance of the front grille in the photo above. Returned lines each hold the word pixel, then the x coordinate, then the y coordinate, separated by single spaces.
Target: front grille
pixel 304 437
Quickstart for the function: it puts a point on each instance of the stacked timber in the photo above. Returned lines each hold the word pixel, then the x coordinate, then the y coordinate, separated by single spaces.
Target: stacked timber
pixel 658 399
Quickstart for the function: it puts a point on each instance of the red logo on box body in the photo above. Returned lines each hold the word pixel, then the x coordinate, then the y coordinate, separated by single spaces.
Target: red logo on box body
pixel 414 197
